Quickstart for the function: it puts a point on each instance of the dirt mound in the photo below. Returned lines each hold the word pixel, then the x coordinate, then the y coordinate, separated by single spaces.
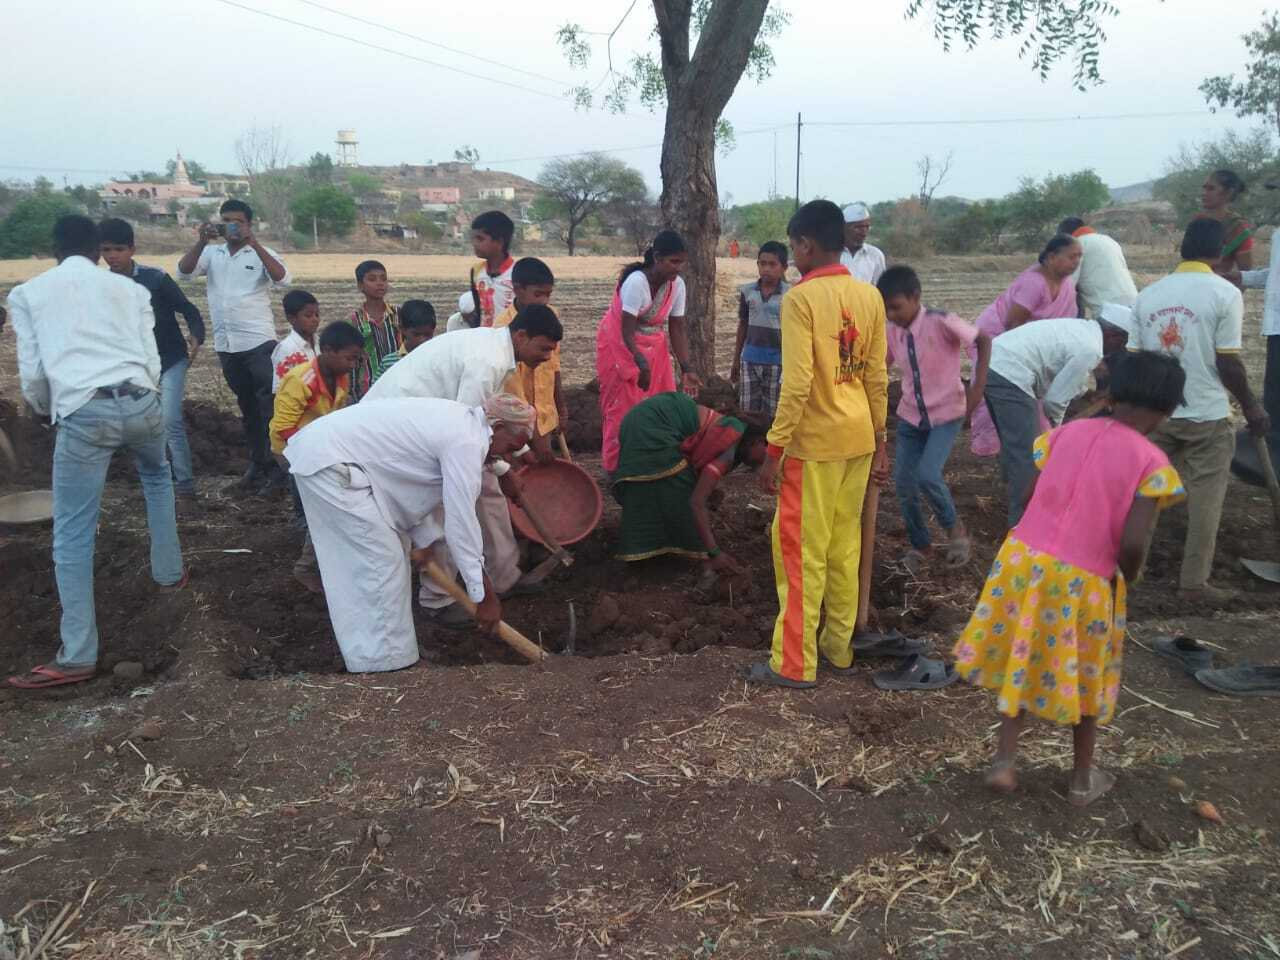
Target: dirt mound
pixel 584 434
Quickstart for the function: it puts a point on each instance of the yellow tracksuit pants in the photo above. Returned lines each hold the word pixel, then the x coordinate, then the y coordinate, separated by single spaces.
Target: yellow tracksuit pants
pixel 817 543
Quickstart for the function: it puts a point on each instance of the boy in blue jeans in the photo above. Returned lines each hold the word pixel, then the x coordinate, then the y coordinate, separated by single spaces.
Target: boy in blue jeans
pixel 928 346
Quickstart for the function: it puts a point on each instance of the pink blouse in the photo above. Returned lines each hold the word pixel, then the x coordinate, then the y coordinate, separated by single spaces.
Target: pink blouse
pixel 1087 487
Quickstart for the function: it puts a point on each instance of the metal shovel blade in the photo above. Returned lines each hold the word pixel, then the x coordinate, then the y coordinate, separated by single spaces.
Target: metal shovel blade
pixel 1266 569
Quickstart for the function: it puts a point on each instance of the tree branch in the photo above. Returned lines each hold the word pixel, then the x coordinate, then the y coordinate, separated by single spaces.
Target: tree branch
pixel 724 48
pixel 673 36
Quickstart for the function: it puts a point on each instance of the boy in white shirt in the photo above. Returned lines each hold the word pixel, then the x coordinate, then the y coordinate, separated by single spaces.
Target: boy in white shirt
pixel 299 347
pixel 491 286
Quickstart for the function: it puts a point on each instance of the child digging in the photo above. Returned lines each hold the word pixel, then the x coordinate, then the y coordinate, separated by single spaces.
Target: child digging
pixel 375 319
pixel 928 346
pixel 532 282
pixel 308 392
pixel 1048 631
pixel 827 441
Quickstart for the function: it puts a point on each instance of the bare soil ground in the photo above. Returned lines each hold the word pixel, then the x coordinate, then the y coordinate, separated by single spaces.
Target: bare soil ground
pixel 241 796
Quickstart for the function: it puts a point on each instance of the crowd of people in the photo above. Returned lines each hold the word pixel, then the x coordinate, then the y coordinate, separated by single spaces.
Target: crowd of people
pixel 397 441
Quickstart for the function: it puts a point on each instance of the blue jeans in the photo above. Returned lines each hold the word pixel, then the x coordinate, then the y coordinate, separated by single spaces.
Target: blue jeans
pixel 82 452
pixel 173 384
pixel 918 461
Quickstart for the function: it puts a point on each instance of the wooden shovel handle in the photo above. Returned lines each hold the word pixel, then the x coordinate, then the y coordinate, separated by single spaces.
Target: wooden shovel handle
pixel 564 446
pixel 550 542
pixel 508 634
pixel 1269 474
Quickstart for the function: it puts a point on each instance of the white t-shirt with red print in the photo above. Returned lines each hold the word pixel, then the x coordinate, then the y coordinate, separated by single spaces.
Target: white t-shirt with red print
pixel 494 289
pixel 290 352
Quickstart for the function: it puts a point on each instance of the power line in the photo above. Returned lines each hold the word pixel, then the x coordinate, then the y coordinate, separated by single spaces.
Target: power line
pixel 638 146
pixel 431 43
pixel 393 52
pixel 1003 120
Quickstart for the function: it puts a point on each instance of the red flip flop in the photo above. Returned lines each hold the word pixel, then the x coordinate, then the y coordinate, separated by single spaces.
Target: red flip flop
pixel 45 676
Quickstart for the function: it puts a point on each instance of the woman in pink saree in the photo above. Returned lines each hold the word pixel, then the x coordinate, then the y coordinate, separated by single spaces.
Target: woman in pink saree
pixel 1045 291
pixel 633 354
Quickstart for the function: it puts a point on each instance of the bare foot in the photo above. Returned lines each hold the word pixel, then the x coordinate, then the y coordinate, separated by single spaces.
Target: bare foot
pixel 1001 777
pixel 1095 783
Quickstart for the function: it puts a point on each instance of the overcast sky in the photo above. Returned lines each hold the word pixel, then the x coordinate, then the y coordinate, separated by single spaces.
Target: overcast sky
pixel 92 88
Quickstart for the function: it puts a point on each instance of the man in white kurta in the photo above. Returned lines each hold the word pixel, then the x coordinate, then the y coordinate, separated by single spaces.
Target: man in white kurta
pixel 864 261
pixel 370 477
pixel 470 366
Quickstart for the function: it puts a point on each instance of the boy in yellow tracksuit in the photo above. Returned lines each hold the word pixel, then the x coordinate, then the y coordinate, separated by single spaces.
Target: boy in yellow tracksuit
pixel 826 443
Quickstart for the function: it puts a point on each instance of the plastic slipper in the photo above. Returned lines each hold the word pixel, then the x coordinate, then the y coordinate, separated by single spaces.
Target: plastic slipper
pixel 913 562
pixel 890 643
pixel 1099 783
pixel 1184 650
pixel 958 550
pixel 43 676
pixel 916 673
pixel 762 673
pixel 1243 681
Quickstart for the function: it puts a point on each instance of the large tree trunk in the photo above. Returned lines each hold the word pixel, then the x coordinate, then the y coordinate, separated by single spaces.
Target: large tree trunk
pixel 698 88
pixel 690 205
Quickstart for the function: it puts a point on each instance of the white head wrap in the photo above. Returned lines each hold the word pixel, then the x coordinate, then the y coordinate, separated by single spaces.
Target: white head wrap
pixel 509 409
pixel 856 212
pixel 1118 316
pixel 466 303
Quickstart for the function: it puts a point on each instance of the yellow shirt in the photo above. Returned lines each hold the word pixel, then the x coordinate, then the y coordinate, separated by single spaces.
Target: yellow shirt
pixel 303 397
pixel 536 386
pixel 835 386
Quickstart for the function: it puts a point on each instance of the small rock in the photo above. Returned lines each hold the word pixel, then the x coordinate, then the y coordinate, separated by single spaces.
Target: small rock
pixel 605 614
pixel 288 810
pixel 1149 838
pixel 1207 811
pixel 935 842
pixel 383 840
pixel 803 871
pixel 149 729
pixel 128 670
pixel 1177 783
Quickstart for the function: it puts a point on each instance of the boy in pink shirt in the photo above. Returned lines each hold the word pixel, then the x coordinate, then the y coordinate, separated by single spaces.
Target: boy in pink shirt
pixel 928 346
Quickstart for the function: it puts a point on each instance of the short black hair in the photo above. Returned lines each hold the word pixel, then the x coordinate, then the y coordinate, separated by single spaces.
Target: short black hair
pixel 237 206
pixel 1153 381
pixel 1203 239
pixel 820 221
pixel 339 335
pixel 417 315
pixel 295 300
pixel 1071 225
pixel 538 320
pixel 115 230
pixel 776 248
pixel 75 234
pixel 899 281
pixel 365 266
pixel 531 272
pixel 1059 241
pixel 1230 181
pixel 497 225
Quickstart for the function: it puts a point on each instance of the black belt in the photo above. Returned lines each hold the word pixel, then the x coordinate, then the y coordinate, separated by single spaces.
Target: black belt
pixel 120 391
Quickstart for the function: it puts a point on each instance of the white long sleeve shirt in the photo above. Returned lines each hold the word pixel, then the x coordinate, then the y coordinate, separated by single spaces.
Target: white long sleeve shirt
pixel 468 366
pixel 1103 275
pixel 1270 279
pixel 1050 360
pixel 416 454
pixel 79 328
pixel 239 296
pixel 866 265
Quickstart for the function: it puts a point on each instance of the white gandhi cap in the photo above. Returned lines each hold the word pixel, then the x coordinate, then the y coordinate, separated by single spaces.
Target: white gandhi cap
pixel 1118 316
pixel 856 212
pixel 466 303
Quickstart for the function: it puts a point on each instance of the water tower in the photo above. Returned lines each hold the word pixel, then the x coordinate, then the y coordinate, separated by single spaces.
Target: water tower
pixel 347 144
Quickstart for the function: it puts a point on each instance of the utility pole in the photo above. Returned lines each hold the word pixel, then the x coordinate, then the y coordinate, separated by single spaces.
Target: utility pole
pixel 774 191
pixel 799 124
pixel 315 231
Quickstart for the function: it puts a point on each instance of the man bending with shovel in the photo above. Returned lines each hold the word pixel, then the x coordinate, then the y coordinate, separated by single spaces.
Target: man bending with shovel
pixel 371 477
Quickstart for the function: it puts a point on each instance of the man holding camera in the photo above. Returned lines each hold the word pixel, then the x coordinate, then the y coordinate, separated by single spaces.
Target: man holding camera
pixel 241 274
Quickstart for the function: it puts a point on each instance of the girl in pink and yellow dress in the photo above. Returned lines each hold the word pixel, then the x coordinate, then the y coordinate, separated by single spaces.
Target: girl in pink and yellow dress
pixel 1048 632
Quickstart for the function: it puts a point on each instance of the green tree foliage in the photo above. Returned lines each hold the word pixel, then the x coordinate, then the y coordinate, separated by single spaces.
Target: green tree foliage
pixel 1036 207
pixel 147 176
pixel 763 221
pixel 467 154
pixel 320 168
pixel 363 184
pixel 201 212
pixel 137 211
pixel 28 229
pixel 87 197
pixel 576 188
pixel 333 210
pixel 428 229
pixel 1252 156
pixel 1258 93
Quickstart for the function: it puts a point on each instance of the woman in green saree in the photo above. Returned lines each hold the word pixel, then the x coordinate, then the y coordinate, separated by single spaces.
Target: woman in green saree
pixel 673 454
pixel 1220 190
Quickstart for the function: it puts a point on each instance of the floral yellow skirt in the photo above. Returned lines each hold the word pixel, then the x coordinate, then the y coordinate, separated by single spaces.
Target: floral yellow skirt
pixel 1047 636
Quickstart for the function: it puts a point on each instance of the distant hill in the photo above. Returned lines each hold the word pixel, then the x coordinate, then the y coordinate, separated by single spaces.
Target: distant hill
pixel 1133 193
